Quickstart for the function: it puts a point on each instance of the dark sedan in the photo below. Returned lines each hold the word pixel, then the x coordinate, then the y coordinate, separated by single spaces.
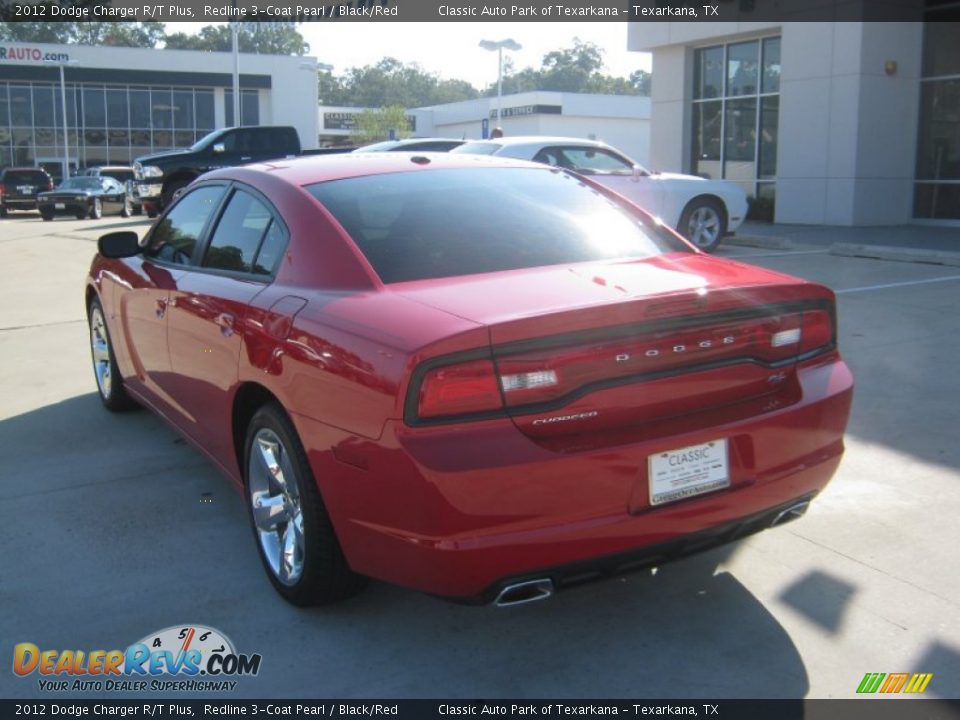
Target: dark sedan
pixel 86 197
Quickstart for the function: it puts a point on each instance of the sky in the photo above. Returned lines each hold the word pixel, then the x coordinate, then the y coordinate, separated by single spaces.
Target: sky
pixel 451 49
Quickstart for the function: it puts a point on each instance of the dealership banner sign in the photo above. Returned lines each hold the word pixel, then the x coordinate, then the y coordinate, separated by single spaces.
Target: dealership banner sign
pixel 464 10
pixel 164 708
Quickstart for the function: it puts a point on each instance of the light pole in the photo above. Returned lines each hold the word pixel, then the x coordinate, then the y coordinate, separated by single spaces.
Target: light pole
pixel 316 66
pixel 499 46
pixel 63 104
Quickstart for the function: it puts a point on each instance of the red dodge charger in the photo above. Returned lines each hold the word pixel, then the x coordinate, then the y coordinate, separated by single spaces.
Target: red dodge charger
pixel 477 377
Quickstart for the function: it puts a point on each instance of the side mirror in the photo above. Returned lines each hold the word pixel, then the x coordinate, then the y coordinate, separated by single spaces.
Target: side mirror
pixel 219 148
pixel 121 244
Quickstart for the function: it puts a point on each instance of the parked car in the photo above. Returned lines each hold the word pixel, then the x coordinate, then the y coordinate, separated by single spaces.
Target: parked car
pixel 703 211
pixel 125 174
pixel 19 187
pixel 86 196
pixel 161 175
pixel 477 377
pixel 412 145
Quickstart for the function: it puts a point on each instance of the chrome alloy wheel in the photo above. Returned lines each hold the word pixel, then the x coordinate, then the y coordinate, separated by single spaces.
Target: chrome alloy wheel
pixel 100 349
pixel 703 227
pixel 275 500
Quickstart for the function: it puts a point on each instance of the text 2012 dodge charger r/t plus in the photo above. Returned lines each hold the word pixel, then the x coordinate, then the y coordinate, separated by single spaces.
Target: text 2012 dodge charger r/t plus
pixel 478 377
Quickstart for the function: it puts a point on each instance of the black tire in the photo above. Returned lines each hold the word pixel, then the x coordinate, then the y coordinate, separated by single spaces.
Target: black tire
pixel 81 214
pixel 324 575
pixel 704 223
pixel 96 210
pixel 170 190
pixel 47 216
pixel 3 212
pixel 110 387
pixel 127 209
pixel 152 214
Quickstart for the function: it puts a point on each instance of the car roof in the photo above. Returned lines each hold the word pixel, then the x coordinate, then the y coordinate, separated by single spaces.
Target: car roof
pixel 541 140
pixel 109 167
pixel 24 169
pixel 322 168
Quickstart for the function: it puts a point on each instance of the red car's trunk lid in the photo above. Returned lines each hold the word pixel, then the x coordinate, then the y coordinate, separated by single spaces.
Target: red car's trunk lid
pixel 604 346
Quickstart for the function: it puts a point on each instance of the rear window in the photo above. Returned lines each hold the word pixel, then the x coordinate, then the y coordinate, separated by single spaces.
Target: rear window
pixel 478 148
pixel 25 176
pixel 450 222
pixel 121 175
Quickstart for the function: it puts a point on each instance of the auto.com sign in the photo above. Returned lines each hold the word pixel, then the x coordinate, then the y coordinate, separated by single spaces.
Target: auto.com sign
pixel 28 53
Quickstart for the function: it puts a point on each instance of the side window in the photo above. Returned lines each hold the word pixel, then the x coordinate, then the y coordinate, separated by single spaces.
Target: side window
pixel 240 232
pixel 270 251
pixel 175 236
pixel 593 161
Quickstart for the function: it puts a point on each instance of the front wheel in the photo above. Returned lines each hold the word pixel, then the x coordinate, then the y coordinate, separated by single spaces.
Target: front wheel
pixel 295 537
pixel 46 215
pixel 171 191
pixel 112 393
pixel 704 223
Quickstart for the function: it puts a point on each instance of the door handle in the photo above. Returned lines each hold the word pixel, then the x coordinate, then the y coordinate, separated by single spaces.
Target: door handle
pixel 161 308
pixel 226 321
pixel 247 157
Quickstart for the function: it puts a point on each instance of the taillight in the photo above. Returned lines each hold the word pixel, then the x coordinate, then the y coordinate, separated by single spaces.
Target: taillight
pixel 818 330
pixel 462 389
pixel 554 371
pixel 3 189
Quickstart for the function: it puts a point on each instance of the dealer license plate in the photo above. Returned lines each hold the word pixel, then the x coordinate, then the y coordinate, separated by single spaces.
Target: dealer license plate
pixel 686 472
pixel 60 206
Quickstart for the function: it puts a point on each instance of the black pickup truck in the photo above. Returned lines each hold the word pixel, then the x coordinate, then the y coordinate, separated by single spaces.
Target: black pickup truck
pixel 159 176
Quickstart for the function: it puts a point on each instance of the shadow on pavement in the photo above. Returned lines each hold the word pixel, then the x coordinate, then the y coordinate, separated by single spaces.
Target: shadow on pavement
pixel 107 539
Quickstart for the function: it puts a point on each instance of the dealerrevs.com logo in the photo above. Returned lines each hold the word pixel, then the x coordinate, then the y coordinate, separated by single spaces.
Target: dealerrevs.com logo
pixel 186 658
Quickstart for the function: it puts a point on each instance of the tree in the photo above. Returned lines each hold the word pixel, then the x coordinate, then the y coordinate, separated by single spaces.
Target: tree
pixel 391 82
pixel 642 81
pixel 375 125
pixel 575 69
pixel 125 34
pixel 265 39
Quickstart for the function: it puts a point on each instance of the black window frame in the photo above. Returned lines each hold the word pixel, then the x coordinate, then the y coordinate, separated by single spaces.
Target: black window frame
pixel 209 232
pixel 206 234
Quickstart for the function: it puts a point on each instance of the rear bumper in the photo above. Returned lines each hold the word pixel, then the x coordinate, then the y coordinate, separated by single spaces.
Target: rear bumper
pixel 19 203
pixel 460 512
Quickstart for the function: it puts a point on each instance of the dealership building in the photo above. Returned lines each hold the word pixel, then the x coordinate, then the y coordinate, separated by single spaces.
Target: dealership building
pixel 850 123
pixel 125 102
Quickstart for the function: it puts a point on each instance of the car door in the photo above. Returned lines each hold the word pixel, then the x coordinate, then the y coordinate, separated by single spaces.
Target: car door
pixel 142 295
pixel 113 194
pixel 208 309
pixel 608 168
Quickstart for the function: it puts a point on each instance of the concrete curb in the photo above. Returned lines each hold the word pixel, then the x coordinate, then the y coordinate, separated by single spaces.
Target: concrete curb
pixel 767 242
pixel 899 254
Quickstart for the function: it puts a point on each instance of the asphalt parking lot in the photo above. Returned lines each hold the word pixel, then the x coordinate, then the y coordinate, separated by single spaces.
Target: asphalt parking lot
pixel 108 534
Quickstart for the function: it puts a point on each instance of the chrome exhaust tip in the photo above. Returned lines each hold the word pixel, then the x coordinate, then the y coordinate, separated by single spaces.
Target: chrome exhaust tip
pixel 791 513
pixel 524 592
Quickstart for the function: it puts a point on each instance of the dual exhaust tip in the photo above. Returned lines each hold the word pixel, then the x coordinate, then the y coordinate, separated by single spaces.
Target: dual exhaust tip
pixel 531 591
pixel 791 513
pixel 522 593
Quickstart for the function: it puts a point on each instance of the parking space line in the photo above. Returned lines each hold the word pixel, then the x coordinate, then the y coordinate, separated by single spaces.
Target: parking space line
pixel 897 284
pixel 781 254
